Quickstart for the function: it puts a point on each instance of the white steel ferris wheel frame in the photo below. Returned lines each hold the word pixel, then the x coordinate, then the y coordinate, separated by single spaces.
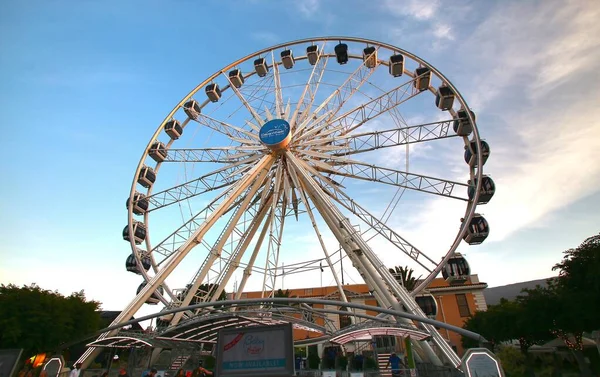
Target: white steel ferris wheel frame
pixel 311 186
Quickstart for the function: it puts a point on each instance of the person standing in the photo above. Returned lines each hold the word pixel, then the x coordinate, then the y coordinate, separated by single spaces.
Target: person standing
pixel 395 361
pixel 201 371
pixel 75 372
pixel 151 373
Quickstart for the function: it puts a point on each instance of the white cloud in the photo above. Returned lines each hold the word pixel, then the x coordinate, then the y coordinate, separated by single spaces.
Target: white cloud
pixel 545 102
pixel 443 31
pixel 421 10
pixel 308 7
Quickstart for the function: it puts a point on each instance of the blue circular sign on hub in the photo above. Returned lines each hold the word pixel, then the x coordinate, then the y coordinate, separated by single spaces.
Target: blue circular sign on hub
pixel 274 132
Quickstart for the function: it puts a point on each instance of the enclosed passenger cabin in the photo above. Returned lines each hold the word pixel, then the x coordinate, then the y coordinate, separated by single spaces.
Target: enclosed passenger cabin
pixel 140 203
pixel 158 151
pixel 422 78
pixel 486 191
pixel 287 59
pixel 341 53
pixel 261 67
pixel 462 125
pixel 312 53
pixel 192 109
pixel 370 57
pixel 152 300
pixel 457 270
pixel 396 65
pixel 477 231
pixel 213 92
pixel 471 153
pixel 131 263
pixel 139 232
pixel 147 176
pixel 428 305
pixel 173 127
pixel 236 78
pixel 444 98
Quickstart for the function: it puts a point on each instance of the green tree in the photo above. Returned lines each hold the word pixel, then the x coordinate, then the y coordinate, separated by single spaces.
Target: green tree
pixel 39 320
pixel 576 295
pixel 281 293
pixel 578 286
pixel 404 275
pixel 497 324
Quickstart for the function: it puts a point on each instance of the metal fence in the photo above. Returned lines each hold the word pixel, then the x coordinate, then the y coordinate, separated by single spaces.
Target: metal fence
pixel 423 370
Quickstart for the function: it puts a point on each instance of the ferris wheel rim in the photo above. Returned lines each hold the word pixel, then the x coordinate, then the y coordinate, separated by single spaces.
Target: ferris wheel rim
pixel 471 207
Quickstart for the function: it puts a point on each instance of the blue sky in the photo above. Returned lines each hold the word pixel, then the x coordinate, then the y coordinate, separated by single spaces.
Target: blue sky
pixel 84 84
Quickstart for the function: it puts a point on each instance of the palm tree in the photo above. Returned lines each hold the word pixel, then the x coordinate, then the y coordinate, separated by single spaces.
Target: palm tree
pixel 404 275
pixel 281 293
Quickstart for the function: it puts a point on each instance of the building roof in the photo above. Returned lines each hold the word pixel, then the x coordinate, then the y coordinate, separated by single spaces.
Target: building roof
pixel 510 291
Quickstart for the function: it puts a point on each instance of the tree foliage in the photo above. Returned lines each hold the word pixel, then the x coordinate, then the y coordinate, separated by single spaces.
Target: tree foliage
pixel 577 291
pixel 404 275
pixel 566 308
pixel 281 293
pixel 39 320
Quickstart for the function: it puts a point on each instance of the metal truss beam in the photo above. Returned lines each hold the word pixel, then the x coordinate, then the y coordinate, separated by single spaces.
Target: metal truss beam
pixel 398 178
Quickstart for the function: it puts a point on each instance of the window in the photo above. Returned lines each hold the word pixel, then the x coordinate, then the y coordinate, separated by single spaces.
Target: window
pixel 345 320
pixel 308 291
pixel 463 305
pixel 244 295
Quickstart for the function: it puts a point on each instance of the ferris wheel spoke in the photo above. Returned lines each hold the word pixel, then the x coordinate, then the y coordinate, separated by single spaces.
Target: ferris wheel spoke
pixel 253 182
pixel 399 178
pixel 279 109
pixel 233 263
pixel 361 255
pixel 251 110
pixel 225 155
pixel 354 118
pixel 321 242
pixel 169 244
pixel 369 141
pixel 214 180
pixel 333 191
pixel 226 129
pixel 250 266
pixel 276 222
pixel 304 106
pixel 334 103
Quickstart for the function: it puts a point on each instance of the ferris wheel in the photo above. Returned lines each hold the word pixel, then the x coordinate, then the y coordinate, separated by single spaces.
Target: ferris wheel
pixel 303 157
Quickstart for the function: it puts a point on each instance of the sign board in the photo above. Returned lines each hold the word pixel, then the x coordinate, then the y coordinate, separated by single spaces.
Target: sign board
pixel 481 362
pixel 275 133
pixel 256 351
pixel 9 358
pixel 328 373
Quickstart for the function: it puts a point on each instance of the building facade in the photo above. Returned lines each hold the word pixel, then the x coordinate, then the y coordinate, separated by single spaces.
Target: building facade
pixel 455 303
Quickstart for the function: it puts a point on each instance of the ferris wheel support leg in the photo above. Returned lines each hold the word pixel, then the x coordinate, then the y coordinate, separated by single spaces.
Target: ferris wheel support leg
pixel 241 249
pixel 342 235
pixel 331 224
pixel 216 250
pixel 354 245
pixel 248 269
pixel 262 166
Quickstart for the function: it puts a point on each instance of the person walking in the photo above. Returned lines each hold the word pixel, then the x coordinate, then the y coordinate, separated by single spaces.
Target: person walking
pixel 396 362
pixel 76 370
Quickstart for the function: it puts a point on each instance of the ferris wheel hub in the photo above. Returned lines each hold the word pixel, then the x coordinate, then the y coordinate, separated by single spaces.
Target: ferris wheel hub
pixel 275 134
